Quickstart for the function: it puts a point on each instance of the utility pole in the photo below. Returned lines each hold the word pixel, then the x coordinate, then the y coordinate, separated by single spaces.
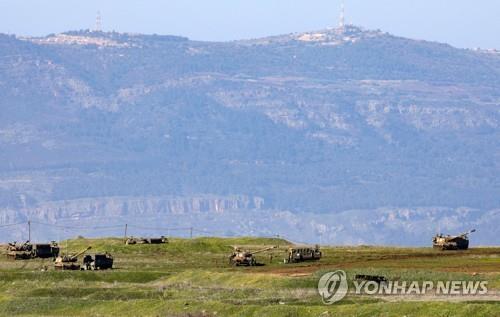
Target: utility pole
pixel 29 230
pixel 191 233
pixel 125 236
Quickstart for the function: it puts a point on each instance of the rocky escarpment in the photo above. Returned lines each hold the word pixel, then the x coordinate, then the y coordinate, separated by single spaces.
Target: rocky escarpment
pixel 383 226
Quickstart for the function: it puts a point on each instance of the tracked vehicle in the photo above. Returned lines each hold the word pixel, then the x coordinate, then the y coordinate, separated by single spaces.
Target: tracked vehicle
pixel 300 254
pixel 18 251
pixel 28 250
pixel 69 262
pixel 133 240
pixel 245 258
pixel 448 242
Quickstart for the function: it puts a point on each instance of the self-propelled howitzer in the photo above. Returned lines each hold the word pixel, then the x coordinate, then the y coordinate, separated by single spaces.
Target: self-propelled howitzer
pixel 245 258
pixel 69 262
pixel 448 242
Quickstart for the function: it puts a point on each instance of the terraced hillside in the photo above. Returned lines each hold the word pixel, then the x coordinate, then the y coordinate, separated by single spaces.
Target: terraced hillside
pixel 193 278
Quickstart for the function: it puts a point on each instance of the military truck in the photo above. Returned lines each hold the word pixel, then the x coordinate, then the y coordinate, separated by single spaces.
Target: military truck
pixel 45 250
pixel 449 242
pixel 240 257
pixel 69 262
pixel 100 261
pixel 299 254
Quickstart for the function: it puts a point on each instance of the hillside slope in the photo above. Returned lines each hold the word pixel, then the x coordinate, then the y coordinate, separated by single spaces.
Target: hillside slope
pixel 192 277
pixel 318 122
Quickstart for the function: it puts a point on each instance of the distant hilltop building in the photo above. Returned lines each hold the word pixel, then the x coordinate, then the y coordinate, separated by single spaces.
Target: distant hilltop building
pixel 80 39
pixel 339 36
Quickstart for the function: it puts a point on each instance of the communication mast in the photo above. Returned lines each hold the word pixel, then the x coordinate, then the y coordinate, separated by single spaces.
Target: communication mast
pixel 342 16
pixel 98 22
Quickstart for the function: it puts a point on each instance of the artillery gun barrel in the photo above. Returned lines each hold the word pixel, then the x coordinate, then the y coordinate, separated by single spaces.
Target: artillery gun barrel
pixel 263 250
pixel 76 255
pixel 467 233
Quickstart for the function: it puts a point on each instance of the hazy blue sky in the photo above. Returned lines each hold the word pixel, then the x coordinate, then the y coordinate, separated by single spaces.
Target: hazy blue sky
pixel 463 23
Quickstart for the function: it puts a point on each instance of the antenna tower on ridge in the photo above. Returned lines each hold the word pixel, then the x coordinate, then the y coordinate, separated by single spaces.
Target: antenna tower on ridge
pixel 98 22
pixel 342 15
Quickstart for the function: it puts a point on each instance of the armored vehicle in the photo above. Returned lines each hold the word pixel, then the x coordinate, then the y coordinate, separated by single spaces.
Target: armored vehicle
pixel 300 254
pixel 101 261
pixel 28 250
pixel 133 240
pixel 18 251
pixel 69 262
pixel 448 242
pixel 245 258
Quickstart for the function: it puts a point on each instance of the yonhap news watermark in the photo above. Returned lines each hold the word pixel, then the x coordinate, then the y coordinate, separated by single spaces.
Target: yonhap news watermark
pixel 334 286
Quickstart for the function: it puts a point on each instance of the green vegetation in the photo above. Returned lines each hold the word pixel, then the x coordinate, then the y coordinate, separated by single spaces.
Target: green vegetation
pixel 193 278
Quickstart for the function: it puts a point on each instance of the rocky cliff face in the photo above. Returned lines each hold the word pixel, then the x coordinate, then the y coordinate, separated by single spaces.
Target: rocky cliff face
pixel 130 206
pixel 319 123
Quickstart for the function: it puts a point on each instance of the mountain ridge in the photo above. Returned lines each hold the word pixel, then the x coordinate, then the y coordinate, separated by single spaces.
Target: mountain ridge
pixel 374 121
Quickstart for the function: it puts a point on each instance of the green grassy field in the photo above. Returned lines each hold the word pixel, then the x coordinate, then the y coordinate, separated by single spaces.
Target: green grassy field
pixel 193 278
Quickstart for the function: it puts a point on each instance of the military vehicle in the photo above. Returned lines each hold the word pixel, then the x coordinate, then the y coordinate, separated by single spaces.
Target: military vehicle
pixel 133 240
pixel 69 262
pixel 299 254
pixel 18 251
pixel 245 258
pixel 28 250
pixel 45 250
pixel 159 240
pixel 100 261
pixel 371 278
pixel 448 242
